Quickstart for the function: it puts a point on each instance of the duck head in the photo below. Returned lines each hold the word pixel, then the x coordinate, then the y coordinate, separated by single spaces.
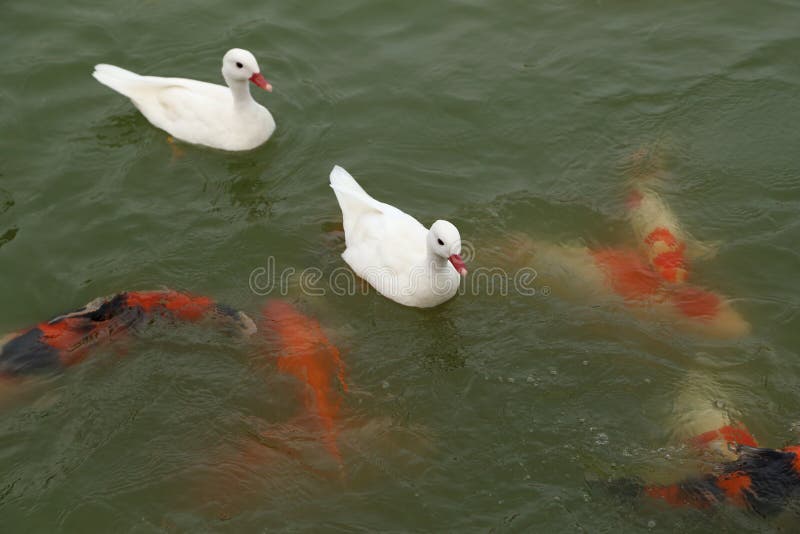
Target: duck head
pixel 445 241
pixel 239 65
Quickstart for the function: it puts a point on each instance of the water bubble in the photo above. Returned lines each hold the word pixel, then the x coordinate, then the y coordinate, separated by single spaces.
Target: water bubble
pixel 719 404
pixel 530 378
pixel 385 384
pixel 651 524
pixel 511 380
pixel 601 438
pixel 553 371
pixel 585 363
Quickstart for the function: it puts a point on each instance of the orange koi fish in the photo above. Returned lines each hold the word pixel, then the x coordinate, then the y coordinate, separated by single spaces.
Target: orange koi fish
pixel 307 354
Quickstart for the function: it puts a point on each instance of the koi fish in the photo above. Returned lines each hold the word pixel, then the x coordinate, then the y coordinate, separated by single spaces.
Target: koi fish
pixel 626 274
pixel 306 353
pixel 759 479
pixel 730 436
pixel 67 339
pixel 762 480
pixel 658 235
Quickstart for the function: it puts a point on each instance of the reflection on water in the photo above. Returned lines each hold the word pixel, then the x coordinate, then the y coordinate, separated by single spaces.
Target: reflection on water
pixel 119 130
pixel 249 190
pixel 6 203
pixel 442 349
pixel 8 235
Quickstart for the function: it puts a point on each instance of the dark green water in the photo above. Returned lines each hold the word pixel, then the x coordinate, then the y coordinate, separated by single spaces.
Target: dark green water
pixel 484 414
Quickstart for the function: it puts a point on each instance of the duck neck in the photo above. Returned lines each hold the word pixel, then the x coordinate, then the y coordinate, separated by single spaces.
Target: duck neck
pixel 437 262
pixel 240 89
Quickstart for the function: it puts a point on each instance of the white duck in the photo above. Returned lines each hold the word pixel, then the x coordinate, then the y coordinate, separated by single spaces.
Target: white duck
pixel 198 112
pixel 400 258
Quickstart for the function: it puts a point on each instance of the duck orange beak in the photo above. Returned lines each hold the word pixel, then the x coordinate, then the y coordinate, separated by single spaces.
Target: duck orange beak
pixel 262 82
pixel 459 264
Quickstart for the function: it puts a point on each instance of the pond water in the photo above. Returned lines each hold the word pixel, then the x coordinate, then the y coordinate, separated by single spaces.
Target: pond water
pixel 488 413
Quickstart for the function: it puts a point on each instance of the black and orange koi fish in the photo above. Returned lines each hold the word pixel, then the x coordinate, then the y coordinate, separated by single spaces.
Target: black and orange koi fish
pixel 762 480
pixel 65 340
pixel 304 350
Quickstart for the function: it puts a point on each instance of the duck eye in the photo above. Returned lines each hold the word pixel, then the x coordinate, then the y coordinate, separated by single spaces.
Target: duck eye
pixel 238 64
pixel 440 242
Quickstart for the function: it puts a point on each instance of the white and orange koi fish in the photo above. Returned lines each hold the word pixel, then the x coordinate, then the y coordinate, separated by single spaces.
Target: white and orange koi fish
pixel 658 235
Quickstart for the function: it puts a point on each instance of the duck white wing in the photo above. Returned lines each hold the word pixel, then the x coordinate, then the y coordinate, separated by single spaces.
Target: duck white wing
pixel 379 237
pixel 144 89
pixel 182 107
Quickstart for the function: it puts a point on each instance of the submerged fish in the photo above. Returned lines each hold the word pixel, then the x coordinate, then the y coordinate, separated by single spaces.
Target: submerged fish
pixel 759 479
pixel 67 339
pixel 658 235
pixel 306 353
